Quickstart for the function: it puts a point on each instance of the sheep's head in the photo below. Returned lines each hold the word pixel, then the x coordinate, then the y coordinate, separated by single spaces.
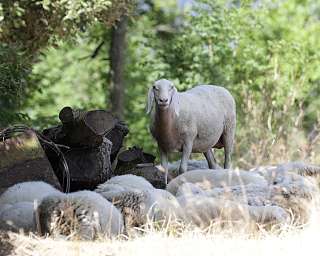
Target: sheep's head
pixel 164 94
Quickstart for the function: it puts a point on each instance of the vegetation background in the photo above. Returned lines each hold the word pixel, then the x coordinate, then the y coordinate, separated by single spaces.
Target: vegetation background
pixel 106 53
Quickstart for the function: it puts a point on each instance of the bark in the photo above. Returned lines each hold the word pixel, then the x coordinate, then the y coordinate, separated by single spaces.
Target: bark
pixel 117 61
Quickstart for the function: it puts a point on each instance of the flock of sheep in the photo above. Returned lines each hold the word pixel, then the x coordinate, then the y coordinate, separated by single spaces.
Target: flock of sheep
pixel 194 121
pixel 272 195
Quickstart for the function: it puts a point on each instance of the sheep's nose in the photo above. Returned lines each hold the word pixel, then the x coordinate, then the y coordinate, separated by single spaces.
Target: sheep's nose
pixel 163 100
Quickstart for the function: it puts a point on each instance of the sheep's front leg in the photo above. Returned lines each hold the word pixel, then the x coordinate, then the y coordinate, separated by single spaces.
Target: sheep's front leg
pixel 186 152
pixel 164 163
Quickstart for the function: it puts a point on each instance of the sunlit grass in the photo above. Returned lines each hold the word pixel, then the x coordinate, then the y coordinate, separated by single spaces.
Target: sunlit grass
pixel 284 240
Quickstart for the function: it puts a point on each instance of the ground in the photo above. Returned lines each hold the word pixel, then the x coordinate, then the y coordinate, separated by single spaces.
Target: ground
pixel 288 240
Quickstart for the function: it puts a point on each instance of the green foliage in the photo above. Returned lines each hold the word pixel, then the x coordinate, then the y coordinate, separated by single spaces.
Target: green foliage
pixel 266 54
pixel 34 23
pixel 14 71
pixel 67 76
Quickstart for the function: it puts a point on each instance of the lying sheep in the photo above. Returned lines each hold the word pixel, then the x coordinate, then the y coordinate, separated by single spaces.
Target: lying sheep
pixel 285 189
pixel 189 189
pixel 17 205
pixel 300 168
pixel 141 207
pixel 202 211
pixel 193 121
pixel 85 214
pixel 137 200
pixel 208 179
pixel 123 183
pixel 173 168
pixel 17 217
pixel 27 192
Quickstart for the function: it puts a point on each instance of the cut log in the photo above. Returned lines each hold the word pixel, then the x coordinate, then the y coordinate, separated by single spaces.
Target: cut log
pixel 55 134
pixel 116 136
pixel 85 128
pixel 129 159
pixel 23 159
pixel 90 141
pixel 89 166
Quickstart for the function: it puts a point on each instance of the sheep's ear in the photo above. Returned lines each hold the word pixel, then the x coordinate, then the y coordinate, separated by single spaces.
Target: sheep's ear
pixel 150 100
pixel 175 101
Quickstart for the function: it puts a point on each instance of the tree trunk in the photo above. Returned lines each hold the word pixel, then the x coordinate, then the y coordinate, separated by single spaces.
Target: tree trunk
pixel 117 60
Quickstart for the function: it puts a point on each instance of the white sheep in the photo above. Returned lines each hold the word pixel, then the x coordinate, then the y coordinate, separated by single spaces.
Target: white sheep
pixel 18 216
pixel 140 208
pixel 202 211
pixel 298 167
pixel 18 202
pixel 282 188
pixel 173 167
pixel 209 179
pixel 85 214
pixel 197 120
pixel 138 201
pixel 27 192
pixel 189 189
pixel 123 183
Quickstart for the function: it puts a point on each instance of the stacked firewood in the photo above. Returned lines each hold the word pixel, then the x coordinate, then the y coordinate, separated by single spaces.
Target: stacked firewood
pixel 90 142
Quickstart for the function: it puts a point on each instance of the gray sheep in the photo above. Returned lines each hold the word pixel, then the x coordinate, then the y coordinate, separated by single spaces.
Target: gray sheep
pixel 197 120
pixel 138 201
pixel 85 214
pixel 17 205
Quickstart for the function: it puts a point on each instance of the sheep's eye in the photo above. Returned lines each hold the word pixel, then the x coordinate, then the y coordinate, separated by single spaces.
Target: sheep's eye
pixel 155 88
pixel 171 87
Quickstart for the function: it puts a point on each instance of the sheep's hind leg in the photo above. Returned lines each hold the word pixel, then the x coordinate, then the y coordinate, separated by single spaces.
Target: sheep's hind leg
pixel 228 145
pixel 186 152
pixel 212 163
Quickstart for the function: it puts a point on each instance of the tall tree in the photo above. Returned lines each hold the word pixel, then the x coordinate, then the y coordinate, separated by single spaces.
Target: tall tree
pixel 117 62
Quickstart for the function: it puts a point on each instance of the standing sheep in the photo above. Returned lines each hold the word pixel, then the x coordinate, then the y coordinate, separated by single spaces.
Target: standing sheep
pixel 193 121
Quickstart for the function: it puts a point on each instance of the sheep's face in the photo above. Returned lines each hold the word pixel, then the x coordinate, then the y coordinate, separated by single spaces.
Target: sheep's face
pixel 163 91
pixel 164 94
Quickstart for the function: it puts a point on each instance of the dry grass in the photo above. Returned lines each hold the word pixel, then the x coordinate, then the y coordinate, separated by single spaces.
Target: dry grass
pixel 287 240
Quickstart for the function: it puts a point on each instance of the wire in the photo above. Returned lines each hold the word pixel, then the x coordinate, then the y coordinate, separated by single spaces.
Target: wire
pixel 11 131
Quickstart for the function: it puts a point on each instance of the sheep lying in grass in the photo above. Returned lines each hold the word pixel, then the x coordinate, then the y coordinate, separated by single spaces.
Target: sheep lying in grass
pixel 280 187
pixel 137 200
pixel 17 216
pixel 140 208
pixel 173 167
pixel 208 179
pixel 18 202
pixel 27 192
pixel 202 211
pixel 290 188
pixel 84 214
pixel 123 183
pixel 193 121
